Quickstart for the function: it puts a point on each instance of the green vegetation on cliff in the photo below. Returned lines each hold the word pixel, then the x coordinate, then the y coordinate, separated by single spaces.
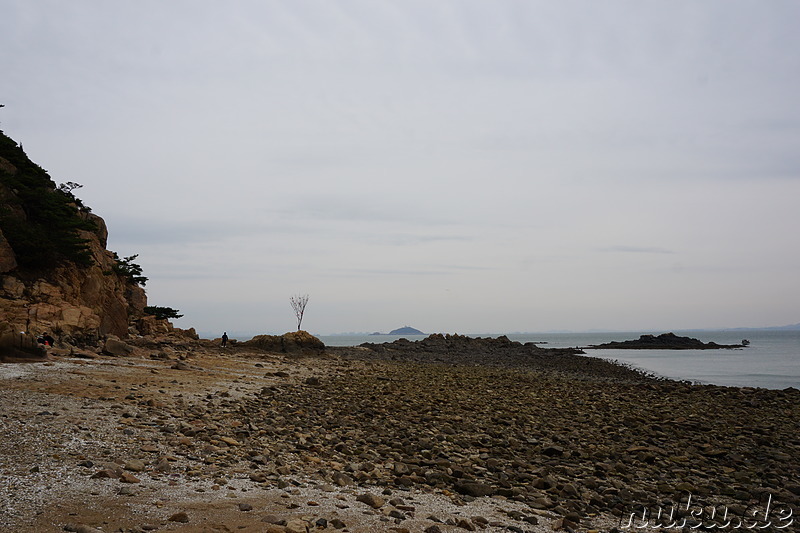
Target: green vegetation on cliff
pixel 41 221
pixel 162 313
pixel 132 271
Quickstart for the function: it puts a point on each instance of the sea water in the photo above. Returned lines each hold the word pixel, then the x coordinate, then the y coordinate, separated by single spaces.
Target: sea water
pixel 771 361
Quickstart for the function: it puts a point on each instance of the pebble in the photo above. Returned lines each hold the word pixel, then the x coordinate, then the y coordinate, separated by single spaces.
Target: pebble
pixel 566 435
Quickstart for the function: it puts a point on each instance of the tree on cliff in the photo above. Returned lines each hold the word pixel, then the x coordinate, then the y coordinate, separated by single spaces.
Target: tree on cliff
pixel 162 313
pixel 299 305
pixel 126 267
pixel 42 222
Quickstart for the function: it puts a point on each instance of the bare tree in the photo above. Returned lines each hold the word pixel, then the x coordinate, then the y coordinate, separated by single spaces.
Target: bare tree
pixel 299 305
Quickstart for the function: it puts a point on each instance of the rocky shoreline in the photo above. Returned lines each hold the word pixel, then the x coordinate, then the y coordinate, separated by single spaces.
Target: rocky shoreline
pixel 498 352
pixel 443 435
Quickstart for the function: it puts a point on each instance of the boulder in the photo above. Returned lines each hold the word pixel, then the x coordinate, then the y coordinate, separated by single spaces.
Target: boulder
pixel 12 287
pixel 16 345
pixel 302 342
pixel 295 343
pixel 151 326
pixel 373 500
pixel 116 347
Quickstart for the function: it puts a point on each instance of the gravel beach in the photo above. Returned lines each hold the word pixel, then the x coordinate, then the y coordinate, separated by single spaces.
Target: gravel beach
pixel 445 434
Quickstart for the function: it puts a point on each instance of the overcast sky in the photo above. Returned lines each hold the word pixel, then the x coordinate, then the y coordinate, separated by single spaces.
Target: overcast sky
pixel 456 166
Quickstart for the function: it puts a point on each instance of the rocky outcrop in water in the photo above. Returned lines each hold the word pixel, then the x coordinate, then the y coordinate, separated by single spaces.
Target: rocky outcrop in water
pixel 499 351
pixel 665 341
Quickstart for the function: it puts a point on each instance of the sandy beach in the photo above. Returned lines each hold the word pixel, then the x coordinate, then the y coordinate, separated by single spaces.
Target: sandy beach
pixel 445 436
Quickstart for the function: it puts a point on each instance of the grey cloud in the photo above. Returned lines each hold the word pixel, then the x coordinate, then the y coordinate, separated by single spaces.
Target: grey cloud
pixel 149 232
pixel 171 237
pixel 158 230
pixel 358 207
pixel 636 249
pixel 263 143
pixel 386 272
pixel 412 239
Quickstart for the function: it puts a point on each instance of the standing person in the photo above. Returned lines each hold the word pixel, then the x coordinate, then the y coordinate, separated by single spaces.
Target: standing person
pixel 224 339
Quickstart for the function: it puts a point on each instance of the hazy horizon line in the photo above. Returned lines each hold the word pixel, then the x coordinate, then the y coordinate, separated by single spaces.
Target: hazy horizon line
pixel 253 333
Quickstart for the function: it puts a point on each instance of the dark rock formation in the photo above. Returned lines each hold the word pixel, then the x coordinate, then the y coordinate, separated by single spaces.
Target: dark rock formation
pixel 500 351
pixel 665 341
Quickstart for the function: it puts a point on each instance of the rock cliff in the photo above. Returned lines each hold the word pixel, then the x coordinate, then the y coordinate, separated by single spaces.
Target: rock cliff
pixel 56 275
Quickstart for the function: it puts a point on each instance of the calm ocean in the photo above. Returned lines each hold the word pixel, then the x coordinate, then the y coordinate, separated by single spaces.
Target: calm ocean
pixel 771 361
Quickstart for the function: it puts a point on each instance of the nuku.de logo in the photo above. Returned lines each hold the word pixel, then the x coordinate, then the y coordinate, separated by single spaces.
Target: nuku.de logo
pixel 697 514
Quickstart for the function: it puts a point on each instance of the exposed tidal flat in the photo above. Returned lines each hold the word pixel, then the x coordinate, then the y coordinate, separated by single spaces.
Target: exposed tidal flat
pixel 449 434
pixel 772 360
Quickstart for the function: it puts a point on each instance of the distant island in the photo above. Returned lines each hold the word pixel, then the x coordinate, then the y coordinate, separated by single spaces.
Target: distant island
pixel 405 330
pixel 666 341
